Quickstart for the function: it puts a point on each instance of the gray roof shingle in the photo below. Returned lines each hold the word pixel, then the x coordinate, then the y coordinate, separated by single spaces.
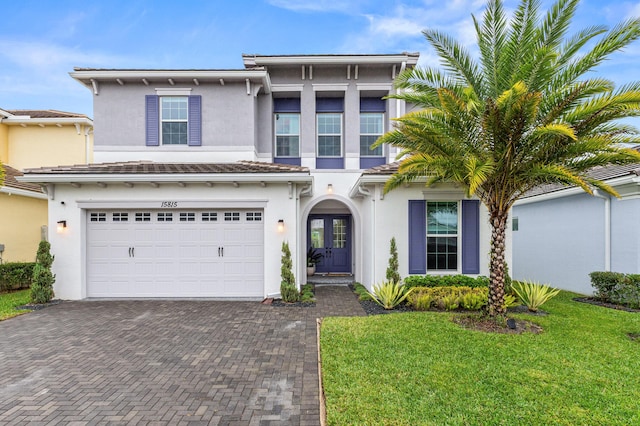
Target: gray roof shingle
pixel 10 181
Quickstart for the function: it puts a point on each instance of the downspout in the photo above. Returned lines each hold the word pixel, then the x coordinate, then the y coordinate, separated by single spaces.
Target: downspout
pixel 607 228
pixel 372 232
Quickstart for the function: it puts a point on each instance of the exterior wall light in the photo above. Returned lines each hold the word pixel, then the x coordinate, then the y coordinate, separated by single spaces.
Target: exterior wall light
pixel 281 225
pixel 62 225
pixel 330 189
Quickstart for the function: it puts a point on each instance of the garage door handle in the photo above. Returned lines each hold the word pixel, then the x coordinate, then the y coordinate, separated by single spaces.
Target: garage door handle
pixel 222 251
pixel 218 251
pixel 133 251
pixel 129 251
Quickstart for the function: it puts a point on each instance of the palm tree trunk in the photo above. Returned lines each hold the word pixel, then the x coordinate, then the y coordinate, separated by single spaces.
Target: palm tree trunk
pixel 496 267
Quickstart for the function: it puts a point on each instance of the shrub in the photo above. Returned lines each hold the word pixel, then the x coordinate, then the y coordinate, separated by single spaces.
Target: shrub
pixel 448 298
pixel 510 301
pixel 534 295
pixel 605 283
pixel 361 291
pixel 392 269
pixel 389 294
pixel 43 279
pixel 289 292
pixel 306 294
pixel 286 264
pixel 445 281
pixel 16 275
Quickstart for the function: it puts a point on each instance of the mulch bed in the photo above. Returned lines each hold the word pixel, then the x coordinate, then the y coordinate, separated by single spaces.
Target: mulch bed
pixel 38 306
pixel 598 302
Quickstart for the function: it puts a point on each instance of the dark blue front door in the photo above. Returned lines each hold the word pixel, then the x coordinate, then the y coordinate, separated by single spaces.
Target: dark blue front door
pixel 331 235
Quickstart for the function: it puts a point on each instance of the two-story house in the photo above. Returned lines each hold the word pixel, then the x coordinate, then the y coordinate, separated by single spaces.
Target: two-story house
pixel 34 138
pixel 202 174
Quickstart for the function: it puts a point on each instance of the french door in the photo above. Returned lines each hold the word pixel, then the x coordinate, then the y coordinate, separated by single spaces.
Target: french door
pixel 331 235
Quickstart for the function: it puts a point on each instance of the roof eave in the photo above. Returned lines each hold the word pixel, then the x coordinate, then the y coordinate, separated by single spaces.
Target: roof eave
pixel 50 121
pixel 23 192
pixel 281 177
pixel 258 60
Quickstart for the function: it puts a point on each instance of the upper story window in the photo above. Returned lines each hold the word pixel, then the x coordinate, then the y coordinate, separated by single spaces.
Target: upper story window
pixel 173 112
pixel 287 127
pixel 174 119
pixel 371 128
pixel 329 126
pixel 371 125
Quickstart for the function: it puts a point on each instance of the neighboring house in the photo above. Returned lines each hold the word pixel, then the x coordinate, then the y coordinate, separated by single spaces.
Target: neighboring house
pixel 34 138
pixel 562 234
pixel 202 174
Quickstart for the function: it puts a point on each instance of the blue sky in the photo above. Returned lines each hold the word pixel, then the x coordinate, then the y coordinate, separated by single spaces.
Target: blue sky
pixel 41 41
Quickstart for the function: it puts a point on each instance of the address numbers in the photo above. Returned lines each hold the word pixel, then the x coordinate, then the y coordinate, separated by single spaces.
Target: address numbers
pixel 169 204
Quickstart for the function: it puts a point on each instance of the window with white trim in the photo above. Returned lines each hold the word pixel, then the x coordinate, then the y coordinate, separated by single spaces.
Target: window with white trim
pixel 209 216
pixel 442 235
pixel 329 127
pixel 371 128
pixel 165 217
pixel 287 134
pixel 174 119
pixel 120 217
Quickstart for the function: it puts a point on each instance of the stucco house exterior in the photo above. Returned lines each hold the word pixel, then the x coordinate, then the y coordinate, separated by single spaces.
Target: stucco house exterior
pixel 34 138
pixel 561 234
pixel 200 175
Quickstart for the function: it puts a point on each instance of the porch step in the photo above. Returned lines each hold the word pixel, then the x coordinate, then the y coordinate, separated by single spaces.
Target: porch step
pixel 330 279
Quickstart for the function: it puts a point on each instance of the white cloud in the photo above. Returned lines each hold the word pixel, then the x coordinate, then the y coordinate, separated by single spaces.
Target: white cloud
pixel 344 6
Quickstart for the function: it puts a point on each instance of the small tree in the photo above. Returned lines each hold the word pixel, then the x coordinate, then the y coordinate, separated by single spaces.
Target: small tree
pixel 43 279
pixel 392 269
pixel 288 289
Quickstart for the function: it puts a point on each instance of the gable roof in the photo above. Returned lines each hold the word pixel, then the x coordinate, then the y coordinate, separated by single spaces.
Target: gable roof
pixel 10 181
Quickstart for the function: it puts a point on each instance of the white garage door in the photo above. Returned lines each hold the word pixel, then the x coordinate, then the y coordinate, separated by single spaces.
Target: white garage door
pixel 178 253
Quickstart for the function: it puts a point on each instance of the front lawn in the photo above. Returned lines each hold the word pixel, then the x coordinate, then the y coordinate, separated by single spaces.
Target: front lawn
pixel 419 368
pixel 9 301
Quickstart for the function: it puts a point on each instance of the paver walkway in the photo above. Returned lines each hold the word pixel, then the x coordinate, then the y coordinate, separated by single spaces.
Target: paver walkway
pixel 165 362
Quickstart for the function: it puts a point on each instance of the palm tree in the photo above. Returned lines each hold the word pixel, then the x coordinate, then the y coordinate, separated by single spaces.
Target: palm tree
pixel 520 115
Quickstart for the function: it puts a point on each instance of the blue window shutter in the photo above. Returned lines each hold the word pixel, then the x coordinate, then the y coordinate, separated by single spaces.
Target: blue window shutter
pixel 195 121
pixel 286 105
pixel 470 236
pixel 373 105
pixel 329 104
pixel 417 237
pixel 152 136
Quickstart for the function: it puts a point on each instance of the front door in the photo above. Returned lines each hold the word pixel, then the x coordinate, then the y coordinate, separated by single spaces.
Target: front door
pixel 331 235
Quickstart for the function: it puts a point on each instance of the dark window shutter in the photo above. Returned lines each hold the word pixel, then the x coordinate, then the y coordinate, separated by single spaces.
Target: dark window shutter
pixel 417 237
pixel 329 104
pixel 152 135
pixel 286 105
pixel 195 120
pixel 373 105
pixel 470 236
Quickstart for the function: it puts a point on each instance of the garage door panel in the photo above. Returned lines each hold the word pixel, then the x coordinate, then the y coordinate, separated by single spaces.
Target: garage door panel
pixel 195 254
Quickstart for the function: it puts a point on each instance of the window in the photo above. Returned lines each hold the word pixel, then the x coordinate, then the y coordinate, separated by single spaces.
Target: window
pixel 442 236
pixel 165 217
pixel 371 128
pixel 231 216
pixel 287 135
pixel 120 217
pixel 173 111
pixel 330 135
pixel 143 217
pixel 173 120
pixel 98 217
pixel 254 216
pixel 187 217
pixel 209 217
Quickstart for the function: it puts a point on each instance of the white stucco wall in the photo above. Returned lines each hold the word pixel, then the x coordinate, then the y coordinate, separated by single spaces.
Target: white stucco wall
pixel 69 247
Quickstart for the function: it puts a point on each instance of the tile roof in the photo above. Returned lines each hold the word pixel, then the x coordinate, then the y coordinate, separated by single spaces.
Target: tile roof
pixel 10 181
pixel 148 167
pixel 384 169
pixel 48 113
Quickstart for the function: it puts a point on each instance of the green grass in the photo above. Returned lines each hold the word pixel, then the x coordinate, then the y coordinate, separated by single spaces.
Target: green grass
pixel 419 368
pixel 9 301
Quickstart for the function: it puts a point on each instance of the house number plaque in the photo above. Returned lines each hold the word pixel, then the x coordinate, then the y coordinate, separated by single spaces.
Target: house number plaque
pixel 170 204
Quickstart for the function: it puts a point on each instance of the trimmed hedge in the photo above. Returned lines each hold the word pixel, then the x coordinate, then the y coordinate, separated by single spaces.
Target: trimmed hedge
pixel 445 281
pixel 16 275
pixel 616 287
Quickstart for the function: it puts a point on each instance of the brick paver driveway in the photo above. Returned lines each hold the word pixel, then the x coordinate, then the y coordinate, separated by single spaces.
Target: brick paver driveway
pixel 165 362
